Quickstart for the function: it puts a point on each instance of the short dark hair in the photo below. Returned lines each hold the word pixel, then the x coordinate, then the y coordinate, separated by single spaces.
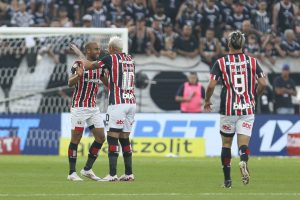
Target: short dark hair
pixel 236 39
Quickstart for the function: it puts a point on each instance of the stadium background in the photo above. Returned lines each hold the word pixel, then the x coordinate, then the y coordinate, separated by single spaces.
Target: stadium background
pixel 35 100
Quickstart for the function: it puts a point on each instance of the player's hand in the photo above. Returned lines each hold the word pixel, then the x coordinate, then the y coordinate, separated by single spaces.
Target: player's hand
pixel 79 71
pixel 207 106
pixel 76 50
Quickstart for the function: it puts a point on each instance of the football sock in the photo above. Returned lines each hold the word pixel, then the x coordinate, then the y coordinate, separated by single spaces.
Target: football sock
pixel 72 154
pixel 127 154
pixel 244 153
pixel 113 153
pixel 93 154
pixel 226 162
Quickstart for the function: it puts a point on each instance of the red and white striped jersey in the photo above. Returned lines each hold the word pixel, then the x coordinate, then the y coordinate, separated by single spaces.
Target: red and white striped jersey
pixel 86 89
pixel 239 74
pixel 121 69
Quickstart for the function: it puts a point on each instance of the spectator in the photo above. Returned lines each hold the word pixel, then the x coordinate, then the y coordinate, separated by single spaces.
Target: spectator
pixel 98 13
pixel 171 8
pixel 137 10
pixel 160 16
pixel 189 16
pixel 271 50
pixel 238 17
pixel 114 9
pixel 297 24
pixel 7 11
pixel 63 18
pixel 40 18
pixel 158 35
pixel 283 14
pixel 289 44
pixel 186 44
pixel 87 21
pixel 119 22
pixel 211 16
pixel 168 31
pixel 226 11
pixel 72 9
pixel 22 18
pixel 252 47
pixel 224 43
pixel 142 38
pixel 209 47
pixel 169 41
pixel 168 49
pixel 284 88
pixel 248 30
pixel 190 95
pixel 250 7
pixel 261 20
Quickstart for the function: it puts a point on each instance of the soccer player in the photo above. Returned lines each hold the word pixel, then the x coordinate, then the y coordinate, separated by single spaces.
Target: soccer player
pixel 238 74
pixel 122 105
pixel 84 110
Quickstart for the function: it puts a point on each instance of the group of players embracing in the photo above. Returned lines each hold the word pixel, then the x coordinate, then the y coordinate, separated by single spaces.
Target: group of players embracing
pixel 116 71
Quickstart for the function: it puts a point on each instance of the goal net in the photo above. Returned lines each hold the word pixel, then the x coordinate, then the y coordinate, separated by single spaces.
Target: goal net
pixel 35 65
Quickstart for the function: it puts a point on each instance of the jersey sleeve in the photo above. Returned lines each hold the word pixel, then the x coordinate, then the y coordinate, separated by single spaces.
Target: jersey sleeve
pixel 259 72
pixel 73 68
pixel 215 72
pixel 105 62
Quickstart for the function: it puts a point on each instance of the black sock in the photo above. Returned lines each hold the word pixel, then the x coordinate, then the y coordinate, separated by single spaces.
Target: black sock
pixel 127 154
pixel 72 154
pixel 226 160
pixel 113 153
pixel 93 154
pixel 244 153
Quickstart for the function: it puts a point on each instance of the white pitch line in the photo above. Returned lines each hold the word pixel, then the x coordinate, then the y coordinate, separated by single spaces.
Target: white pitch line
pixel 152 194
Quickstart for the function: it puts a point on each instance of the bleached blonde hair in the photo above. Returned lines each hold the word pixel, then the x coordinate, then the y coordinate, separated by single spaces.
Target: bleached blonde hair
pixel 116 43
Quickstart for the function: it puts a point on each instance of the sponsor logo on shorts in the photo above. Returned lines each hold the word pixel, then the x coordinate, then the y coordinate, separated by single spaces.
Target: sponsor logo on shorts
pixel 119 122
pixel 226 127
pixel 246 125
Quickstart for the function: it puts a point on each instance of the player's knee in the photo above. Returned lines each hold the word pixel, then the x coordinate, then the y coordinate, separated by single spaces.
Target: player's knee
pixel 126 147
pixel 244 152
pixel 100 139
pixel 113 145
pixel 76 137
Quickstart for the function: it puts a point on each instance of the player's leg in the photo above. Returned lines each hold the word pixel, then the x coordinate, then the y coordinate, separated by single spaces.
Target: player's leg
pixel 115 118
pixel 77 130
pixel 227 131
pixel 125 143
pixel 244 130
pixel 96 125
pixel 127 156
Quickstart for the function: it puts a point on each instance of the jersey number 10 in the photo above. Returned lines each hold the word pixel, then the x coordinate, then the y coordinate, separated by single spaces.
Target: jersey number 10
pixel 128 81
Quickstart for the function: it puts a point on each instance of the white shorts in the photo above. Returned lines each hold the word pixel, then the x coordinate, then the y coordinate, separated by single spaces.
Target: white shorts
pixel 121 116
pixel 90 116
pixel 237 124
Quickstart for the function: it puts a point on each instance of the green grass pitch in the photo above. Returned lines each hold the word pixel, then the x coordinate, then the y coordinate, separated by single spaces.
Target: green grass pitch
pixel 44 177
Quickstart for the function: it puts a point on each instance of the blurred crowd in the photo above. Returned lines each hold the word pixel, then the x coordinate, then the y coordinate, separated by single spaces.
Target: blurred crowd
pixel 169 28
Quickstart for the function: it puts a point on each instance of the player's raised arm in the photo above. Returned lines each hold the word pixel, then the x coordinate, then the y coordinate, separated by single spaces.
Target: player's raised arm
pixel 86 63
